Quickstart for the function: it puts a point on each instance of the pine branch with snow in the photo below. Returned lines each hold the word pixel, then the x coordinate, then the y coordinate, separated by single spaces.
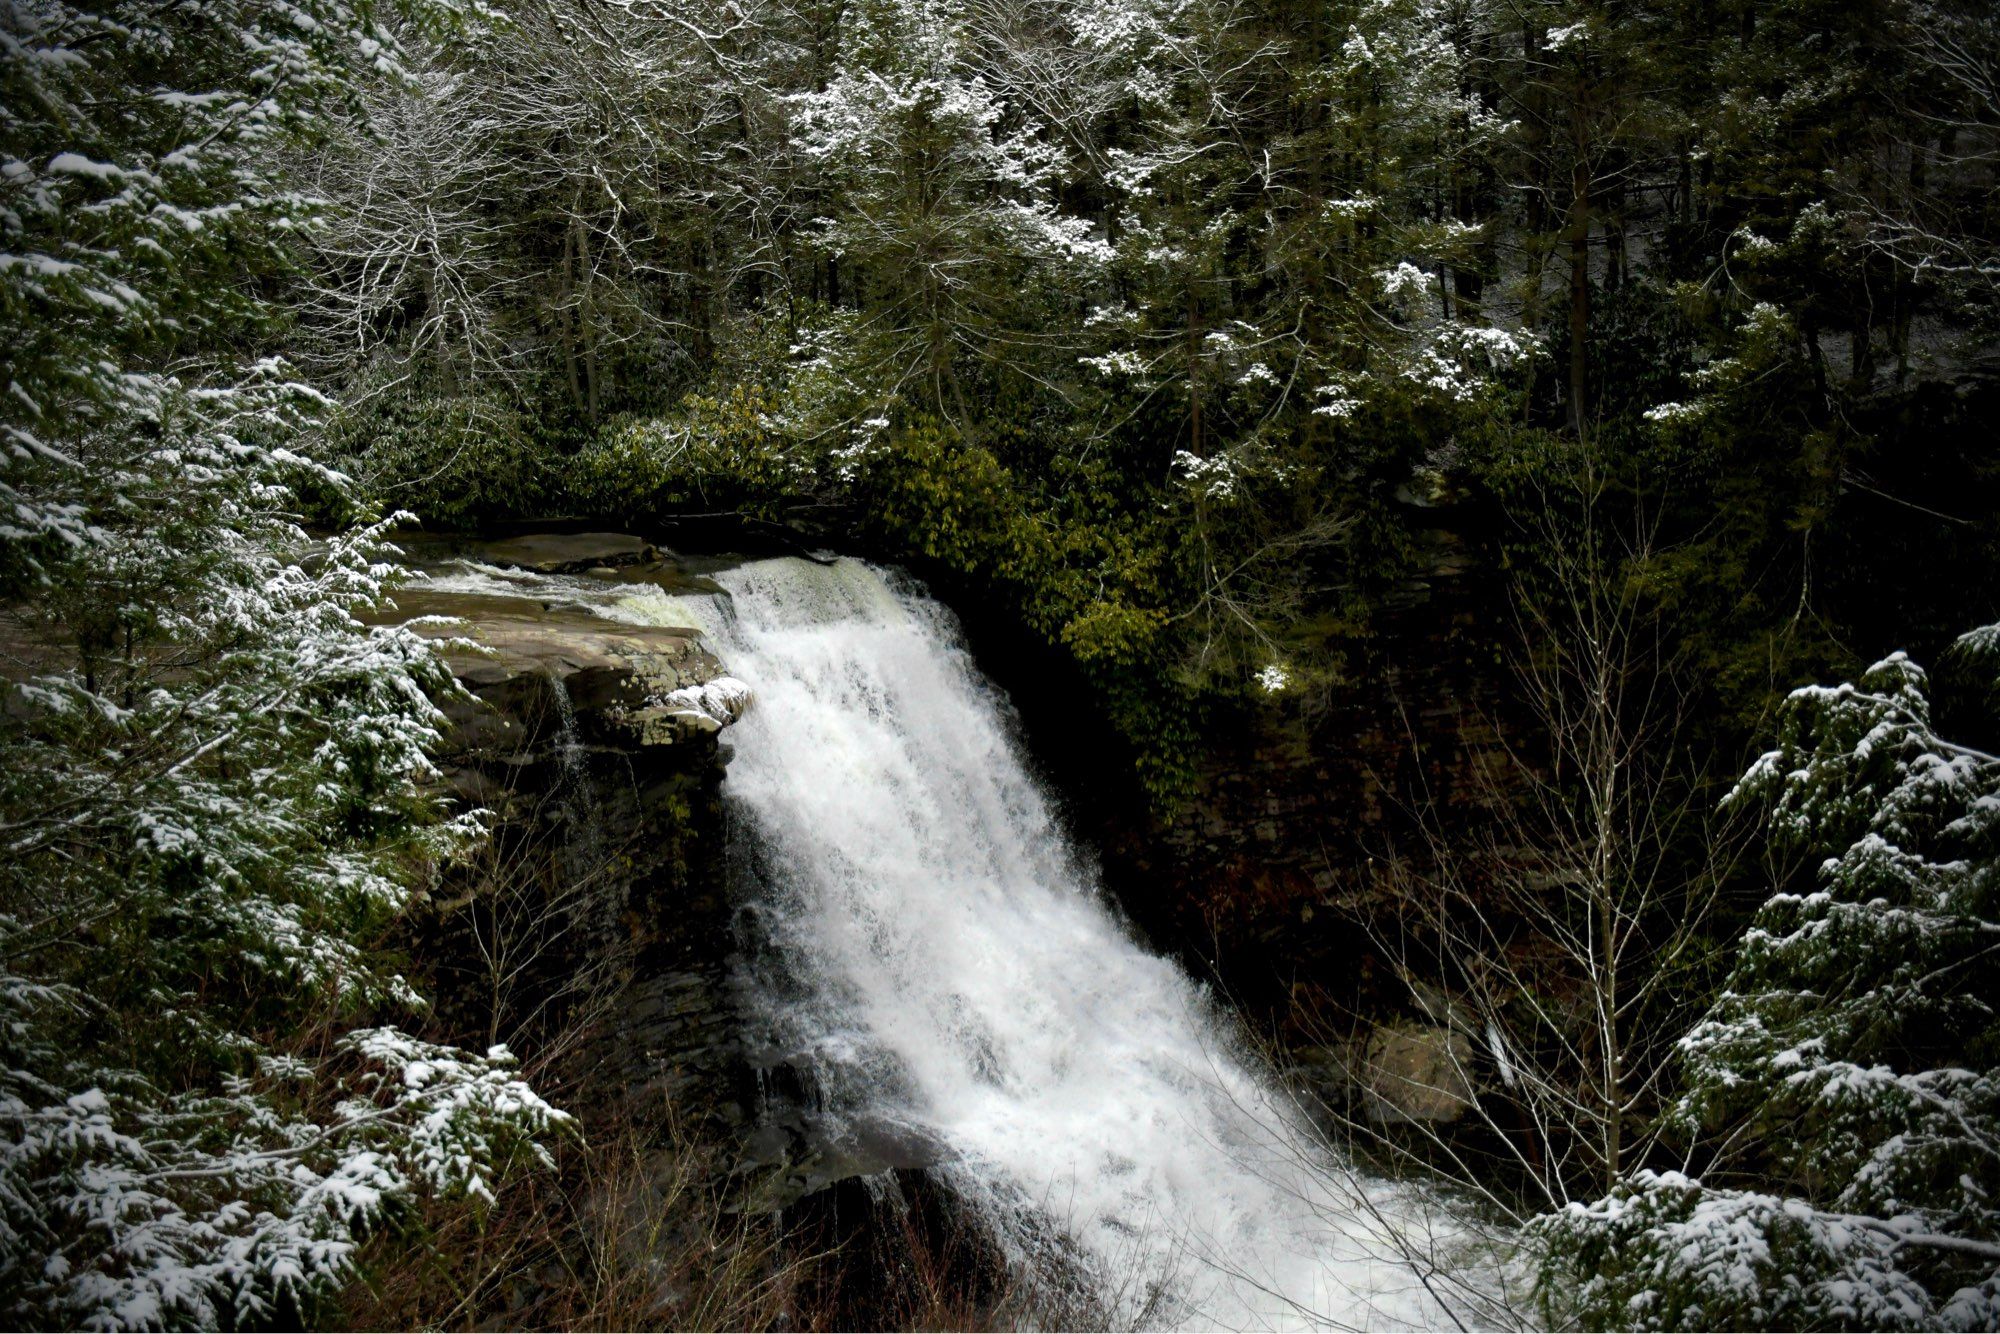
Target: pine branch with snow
pixel 213 773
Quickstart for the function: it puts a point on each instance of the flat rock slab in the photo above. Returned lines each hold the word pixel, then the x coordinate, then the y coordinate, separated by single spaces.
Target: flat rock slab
pixel 419 602
pixel 538 651
pixel 569 553
pixel 564 644
pixel 633 685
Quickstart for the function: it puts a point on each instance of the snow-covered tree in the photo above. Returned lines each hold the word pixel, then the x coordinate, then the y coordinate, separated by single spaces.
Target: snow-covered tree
pixel 410 257
pixel 211 772
pixel 199 1110
pixel 1278 180
pixel 1848 1078
pixel 943 193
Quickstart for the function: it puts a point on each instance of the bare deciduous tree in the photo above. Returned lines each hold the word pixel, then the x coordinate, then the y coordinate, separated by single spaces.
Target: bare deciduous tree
pixel 1555 948
pixel 412 256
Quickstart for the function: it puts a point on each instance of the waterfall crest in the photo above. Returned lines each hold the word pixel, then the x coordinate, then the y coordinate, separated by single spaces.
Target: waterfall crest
pixel 953 972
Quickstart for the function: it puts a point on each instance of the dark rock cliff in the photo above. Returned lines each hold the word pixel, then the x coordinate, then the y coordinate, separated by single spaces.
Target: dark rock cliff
pixel 590 932
pixel 1274 879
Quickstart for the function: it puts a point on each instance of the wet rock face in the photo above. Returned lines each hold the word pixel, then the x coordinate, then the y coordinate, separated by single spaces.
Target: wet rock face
pixel 627 686
pixel 911 1254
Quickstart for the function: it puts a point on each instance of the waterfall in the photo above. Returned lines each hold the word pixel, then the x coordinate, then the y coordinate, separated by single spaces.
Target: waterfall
pixel 952 975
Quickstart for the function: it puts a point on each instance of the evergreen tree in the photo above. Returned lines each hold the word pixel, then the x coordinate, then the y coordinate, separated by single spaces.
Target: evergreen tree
pixel 1848 1077
pixel 211 772
pixel 942 198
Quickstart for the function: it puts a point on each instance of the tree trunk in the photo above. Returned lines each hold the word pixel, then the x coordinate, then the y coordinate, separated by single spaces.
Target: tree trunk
pixel 1194 370
pixel 1579 280
pixel 566 318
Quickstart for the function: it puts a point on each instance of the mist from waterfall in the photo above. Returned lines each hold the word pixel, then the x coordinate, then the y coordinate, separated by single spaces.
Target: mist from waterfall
pixel 951 974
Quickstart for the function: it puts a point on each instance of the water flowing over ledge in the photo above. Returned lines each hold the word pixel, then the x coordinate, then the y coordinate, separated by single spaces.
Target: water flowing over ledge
pixel 942 960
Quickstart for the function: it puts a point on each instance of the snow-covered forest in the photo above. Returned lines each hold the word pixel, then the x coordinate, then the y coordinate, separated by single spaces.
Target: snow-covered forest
pixel 1194 352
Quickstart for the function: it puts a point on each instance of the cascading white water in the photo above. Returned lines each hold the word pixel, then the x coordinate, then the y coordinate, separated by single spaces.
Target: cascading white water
pixel 954 979
pixel 955 975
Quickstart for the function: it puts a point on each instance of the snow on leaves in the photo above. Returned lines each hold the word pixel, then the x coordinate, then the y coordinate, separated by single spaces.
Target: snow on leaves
pixel 230 831
pixel 935 164
pixel 1680 1256
pixel 123 1206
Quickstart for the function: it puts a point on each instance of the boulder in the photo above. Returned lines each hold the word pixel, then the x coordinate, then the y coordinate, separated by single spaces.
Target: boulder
pixel 1416 1072
pixel 708 707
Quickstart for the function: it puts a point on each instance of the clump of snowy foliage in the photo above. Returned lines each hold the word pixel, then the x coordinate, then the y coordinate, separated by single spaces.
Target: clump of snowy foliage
pixel 1851 1067
pixel 210 768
